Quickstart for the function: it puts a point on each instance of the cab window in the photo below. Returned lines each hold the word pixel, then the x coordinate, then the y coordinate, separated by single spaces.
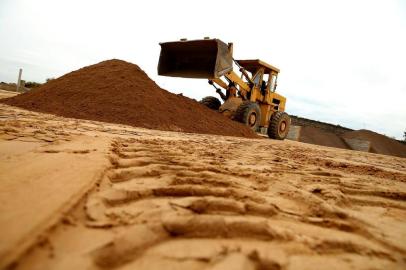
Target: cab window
pixel 273 82
pixel 256 79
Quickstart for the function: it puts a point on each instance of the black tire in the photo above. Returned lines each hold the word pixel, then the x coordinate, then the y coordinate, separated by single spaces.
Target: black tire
pixel 249 114
pixel 211 102
pixel 279 126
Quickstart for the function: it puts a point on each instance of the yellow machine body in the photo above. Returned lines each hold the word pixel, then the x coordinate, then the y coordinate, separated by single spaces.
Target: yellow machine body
pixel 213 59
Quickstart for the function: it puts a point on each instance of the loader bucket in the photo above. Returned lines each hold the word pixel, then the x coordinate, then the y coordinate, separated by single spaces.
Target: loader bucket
pixel 208 58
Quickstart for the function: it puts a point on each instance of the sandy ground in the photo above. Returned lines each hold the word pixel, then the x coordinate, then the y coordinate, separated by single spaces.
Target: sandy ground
pixel 78 194
pixel 6 94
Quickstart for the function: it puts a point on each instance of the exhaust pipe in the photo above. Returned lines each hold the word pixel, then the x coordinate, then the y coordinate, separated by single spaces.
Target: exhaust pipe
pixel 204 59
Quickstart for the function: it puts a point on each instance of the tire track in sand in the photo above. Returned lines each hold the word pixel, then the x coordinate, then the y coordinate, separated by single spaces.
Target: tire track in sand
pixel 166 192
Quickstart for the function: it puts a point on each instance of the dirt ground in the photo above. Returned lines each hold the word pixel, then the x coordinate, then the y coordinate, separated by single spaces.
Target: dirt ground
pixel 6 94
pixel 79 194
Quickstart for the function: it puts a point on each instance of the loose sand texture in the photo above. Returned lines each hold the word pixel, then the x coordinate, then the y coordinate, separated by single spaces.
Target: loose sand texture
pixel 79 194
pixel 120 92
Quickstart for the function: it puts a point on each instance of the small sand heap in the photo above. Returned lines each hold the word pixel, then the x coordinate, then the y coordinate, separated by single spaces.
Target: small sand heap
pixel 313 135
pixel 379 143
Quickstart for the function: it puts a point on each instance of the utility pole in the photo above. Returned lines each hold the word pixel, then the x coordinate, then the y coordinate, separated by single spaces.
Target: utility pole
pixel 19 80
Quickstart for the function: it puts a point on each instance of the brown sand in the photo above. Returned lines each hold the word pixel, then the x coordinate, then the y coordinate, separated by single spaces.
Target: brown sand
pixel 79 194
pixel 317 136
pixel 380 144
pixel 120 92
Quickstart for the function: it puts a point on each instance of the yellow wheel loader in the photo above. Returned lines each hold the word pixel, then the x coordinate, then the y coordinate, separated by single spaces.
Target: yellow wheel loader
pixel 249 98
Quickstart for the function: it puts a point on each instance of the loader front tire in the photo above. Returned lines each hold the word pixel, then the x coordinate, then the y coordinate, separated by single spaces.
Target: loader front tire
pixel 249 114
pixel 211 102
pixel 279 125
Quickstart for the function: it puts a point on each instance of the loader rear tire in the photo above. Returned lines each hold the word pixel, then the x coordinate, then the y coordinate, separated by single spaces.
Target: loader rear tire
pixel 249 114
pixel 211 102
pixel 279 126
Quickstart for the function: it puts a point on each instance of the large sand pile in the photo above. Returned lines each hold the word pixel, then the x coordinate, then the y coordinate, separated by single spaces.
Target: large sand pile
pixel 379 143
pixel 120 92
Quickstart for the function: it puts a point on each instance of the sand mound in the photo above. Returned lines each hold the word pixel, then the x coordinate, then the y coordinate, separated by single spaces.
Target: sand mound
pixel 317 136
pixel 120 92
pixel 379 143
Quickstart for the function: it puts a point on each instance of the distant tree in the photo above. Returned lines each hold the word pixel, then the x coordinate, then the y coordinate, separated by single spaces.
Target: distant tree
pixel 32 84
pixel 49 79
pixel 404 135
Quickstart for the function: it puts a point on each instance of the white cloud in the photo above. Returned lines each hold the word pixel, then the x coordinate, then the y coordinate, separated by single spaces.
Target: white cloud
pixel 341 61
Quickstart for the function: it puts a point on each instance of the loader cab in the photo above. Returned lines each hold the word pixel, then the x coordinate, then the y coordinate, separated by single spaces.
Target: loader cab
pixel 261 72
pixel 263 77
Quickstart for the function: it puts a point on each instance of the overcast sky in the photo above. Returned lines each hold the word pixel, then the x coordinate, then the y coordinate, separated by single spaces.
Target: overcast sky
pixel 341 61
